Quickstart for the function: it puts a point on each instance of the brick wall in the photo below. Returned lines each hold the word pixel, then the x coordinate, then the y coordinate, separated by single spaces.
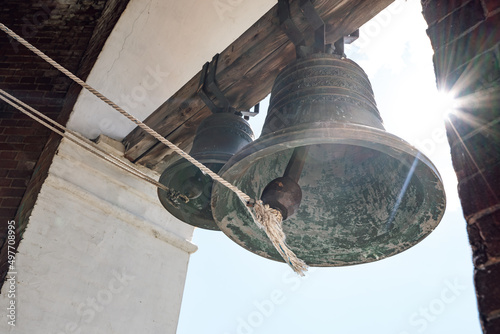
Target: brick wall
pixel 465 36
pixel 72 33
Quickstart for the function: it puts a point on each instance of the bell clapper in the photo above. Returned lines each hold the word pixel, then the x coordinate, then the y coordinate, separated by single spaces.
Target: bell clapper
pixel 284 193
pixel 193 186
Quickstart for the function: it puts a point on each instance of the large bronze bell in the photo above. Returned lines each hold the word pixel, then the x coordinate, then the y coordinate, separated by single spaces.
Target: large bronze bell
pixel 349 191
pixel 217 138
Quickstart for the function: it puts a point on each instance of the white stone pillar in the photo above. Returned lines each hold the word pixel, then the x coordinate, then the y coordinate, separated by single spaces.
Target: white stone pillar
pixel 99 254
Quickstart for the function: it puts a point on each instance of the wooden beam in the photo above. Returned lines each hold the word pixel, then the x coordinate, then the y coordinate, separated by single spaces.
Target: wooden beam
pixel 245 73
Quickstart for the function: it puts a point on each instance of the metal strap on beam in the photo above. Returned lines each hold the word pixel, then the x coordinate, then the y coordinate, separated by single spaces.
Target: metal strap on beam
pixel 208 84
pixel 287 24
pixel 318 25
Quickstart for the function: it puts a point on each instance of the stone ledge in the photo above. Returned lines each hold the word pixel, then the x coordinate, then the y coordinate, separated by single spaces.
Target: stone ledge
pixel 141 224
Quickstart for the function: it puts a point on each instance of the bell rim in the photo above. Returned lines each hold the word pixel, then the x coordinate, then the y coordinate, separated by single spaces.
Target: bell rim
pixel 337 133
pixel 346 129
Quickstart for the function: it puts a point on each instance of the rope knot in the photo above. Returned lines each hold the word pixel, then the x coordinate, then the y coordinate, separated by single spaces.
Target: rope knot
pixel 270 220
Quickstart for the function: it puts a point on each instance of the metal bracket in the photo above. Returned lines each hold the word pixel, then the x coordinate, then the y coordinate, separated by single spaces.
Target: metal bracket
pixel 208 85
pixel 319 26
pixel 317 23
pixel 289 27
pixel 246 114
pixel 351 37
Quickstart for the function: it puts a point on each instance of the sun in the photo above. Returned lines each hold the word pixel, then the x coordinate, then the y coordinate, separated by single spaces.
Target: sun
pixel 444 103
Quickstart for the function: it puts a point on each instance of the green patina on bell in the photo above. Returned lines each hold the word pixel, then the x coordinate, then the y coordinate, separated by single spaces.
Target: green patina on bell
pixel 217 138
pixel 350 192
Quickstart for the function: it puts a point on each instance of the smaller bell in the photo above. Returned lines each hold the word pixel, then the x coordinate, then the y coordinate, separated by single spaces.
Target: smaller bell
pixel 217 139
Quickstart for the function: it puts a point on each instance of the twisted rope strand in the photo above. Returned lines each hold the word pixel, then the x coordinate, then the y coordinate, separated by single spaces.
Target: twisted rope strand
pixel 270 220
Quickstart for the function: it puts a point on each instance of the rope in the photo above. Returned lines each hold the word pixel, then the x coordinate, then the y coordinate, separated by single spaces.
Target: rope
pixel 92 147
pixel 264 219
pixel 270 220
pixel 137 122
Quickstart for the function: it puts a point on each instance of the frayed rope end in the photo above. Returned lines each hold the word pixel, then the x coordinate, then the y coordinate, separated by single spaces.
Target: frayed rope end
pixel 270 220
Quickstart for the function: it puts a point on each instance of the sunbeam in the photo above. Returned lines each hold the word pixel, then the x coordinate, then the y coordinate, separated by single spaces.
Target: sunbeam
pixel 471 157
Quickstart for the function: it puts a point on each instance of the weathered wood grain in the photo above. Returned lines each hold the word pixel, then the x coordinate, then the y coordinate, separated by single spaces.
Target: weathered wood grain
pixel 245 73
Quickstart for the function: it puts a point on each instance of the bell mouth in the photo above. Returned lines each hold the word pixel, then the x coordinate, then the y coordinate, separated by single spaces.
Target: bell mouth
pixel 197 212
pixel 366 194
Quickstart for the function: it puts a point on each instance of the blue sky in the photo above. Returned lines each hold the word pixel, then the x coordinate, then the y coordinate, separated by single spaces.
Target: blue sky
pixel 426 289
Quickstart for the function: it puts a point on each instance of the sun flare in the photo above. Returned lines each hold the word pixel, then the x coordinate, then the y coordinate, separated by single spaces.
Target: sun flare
pixel 444 103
